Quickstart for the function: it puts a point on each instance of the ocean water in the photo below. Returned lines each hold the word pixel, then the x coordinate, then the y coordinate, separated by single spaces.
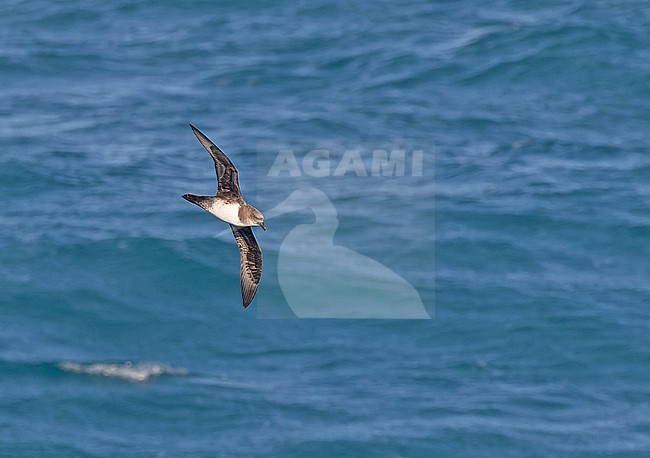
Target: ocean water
pixel 121 327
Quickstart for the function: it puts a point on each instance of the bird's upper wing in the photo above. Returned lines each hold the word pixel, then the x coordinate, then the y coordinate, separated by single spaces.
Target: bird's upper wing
pixel 250 262
pixel 227 176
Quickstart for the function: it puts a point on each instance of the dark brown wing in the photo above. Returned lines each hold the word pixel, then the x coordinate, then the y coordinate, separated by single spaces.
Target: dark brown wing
pixel 250 270
pixel 227 176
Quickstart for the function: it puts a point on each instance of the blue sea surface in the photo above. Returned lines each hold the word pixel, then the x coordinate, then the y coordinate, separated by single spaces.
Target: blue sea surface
pixel 121 326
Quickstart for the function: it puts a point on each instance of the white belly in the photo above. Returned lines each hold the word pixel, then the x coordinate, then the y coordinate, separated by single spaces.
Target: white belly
pixel 226 212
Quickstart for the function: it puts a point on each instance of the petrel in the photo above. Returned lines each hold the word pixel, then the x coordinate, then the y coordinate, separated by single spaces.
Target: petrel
pixel 229 206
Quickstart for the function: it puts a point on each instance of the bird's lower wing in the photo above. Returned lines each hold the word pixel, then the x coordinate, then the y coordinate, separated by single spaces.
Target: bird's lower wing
pixel 250 262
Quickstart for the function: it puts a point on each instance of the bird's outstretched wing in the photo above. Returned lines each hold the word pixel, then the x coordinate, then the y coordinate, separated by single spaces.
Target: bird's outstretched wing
pixel 227 176
pixel 250 270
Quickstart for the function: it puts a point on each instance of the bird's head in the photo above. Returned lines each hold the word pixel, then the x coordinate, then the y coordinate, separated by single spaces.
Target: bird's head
pixel 256 218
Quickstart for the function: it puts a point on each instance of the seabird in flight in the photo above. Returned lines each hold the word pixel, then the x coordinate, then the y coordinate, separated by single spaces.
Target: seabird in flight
pixel 229 206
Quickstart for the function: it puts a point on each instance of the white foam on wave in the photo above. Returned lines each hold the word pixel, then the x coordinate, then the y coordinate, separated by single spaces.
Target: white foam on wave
pixel 133 372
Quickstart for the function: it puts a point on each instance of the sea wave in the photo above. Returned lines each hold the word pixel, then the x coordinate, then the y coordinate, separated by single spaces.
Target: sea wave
pixel 133 372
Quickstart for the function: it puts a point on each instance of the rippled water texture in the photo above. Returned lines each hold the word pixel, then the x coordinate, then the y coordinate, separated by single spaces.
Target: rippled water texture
pixel 121 324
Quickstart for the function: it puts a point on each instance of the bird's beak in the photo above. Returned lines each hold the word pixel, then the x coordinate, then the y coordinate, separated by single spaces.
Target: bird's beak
pixel 263 226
